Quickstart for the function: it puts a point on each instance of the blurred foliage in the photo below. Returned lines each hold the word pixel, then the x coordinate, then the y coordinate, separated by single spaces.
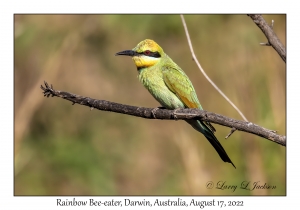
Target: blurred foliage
pixel 62 149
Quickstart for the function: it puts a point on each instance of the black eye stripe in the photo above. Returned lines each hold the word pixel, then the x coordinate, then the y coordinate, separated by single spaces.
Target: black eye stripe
pixel 155 54
pixel 151 54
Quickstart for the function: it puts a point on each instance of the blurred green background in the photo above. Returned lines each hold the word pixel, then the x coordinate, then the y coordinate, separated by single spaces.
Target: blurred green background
pixel 62 149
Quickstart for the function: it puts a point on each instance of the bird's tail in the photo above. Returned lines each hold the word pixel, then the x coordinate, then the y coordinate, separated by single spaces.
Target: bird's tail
pixel 201 127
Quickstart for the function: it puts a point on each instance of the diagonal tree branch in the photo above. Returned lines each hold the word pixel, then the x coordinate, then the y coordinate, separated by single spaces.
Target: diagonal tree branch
pixel 273 40
pixel 165 114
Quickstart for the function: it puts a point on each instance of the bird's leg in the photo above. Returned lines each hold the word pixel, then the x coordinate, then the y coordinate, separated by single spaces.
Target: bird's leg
pixel 155 109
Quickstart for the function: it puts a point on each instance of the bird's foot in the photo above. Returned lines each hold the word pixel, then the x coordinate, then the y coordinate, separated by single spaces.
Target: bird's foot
pixel 174 113
pixel 155 109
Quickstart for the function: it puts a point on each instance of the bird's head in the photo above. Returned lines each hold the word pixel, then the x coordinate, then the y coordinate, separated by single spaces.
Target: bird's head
pixel 147 53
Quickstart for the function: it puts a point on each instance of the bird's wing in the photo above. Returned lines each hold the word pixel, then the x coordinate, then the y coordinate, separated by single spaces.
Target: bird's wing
pixel 178 82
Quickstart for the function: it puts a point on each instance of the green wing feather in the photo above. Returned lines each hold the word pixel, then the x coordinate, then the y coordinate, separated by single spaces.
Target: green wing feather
pixel 179 83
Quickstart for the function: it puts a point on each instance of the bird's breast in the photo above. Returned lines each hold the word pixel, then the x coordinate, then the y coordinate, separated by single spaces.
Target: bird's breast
pixel 152 79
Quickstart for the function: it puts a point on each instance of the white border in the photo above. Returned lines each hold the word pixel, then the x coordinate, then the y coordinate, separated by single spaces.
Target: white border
pixel 8 201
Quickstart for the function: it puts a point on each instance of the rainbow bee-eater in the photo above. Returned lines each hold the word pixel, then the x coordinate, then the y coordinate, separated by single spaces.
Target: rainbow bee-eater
pixel 170 86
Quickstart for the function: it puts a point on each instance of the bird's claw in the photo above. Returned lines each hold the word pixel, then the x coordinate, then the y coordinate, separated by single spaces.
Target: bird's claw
pixel 155 109
pixel 153 112
pixel 174 113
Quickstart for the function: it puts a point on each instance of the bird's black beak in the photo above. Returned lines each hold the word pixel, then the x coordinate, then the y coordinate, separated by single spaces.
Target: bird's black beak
pixel 127 52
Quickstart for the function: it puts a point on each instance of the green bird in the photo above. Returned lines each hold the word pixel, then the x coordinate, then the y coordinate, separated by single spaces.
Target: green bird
pixel 170 86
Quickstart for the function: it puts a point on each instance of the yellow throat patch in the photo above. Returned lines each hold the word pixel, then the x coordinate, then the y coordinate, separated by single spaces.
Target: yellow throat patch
pixel 144 60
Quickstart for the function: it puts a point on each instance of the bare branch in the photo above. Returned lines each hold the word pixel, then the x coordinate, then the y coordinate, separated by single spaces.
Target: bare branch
pixel 166 114
pixel 203 72
pixel 270 34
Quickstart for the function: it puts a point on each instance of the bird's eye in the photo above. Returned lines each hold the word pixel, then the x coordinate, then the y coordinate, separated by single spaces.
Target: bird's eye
pixel 147 52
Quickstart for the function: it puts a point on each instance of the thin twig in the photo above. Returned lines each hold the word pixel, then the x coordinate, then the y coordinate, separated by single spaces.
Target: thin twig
pixel 203 72
pixel 231 132
pixel 166 114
